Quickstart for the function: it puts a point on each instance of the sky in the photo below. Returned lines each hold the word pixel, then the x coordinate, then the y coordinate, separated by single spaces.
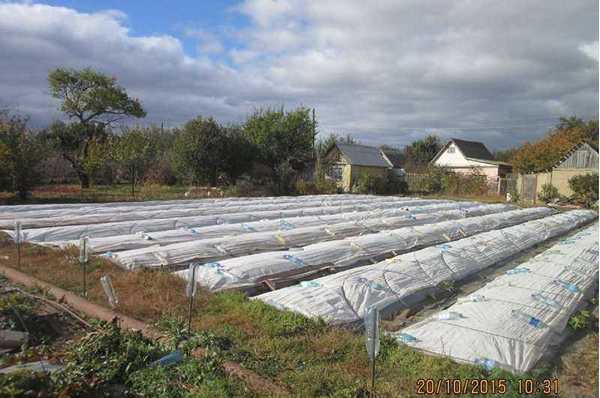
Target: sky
pixel 385 72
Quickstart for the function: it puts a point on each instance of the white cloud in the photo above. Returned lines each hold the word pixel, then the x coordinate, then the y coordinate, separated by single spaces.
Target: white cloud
pixel 207 42
pixel 386 72
pixel 590 49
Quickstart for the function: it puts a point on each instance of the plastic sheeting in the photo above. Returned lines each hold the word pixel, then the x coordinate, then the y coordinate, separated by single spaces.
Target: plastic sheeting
pixel 169 237
pixel 40 211
pixel 206 250
pixel 401 281
pixel 74 232
pixel 64 217
pixel 244 271
pixel 512 321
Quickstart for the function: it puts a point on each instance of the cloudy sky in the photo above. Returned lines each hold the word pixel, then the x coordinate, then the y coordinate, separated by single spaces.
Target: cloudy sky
pixel 387 72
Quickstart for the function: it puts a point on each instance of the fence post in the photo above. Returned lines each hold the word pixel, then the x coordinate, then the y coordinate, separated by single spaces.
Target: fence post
pixel 18 242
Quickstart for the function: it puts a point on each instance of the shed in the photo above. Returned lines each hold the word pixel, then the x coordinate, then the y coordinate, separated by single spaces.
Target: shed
pixel 347 162
pixel 580 159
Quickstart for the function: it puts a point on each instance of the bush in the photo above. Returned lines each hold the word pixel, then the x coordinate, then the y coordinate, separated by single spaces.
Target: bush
pixel 474 184
pixel 317 187
pixel 369 184
pixel 585 188
pixel 160 173
pixel 433 182
pixel 548 193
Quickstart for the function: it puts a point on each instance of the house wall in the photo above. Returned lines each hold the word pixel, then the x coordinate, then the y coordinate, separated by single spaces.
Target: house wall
pixel 355 172
pixel 558 177
pixel 456 159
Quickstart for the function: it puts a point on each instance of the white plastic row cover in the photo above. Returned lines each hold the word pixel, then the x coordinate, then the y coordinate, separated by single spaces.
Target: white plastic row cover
pixel 42 212
pixel 249 270
pixel 184 211
pixel 403 280
pixel 291 235
pixel 169 237
pixel 512 321
pixel 75 232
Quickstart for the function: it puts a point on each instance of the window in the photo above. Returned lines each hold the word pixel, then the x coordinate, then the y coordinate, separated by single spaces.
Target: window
pixel 335 172
pixel 450 149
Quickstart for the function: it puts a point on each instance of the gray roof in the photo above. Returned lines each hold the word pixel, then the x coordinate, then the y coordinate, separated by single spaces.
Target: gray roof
pixel 473 149
pixel 362 155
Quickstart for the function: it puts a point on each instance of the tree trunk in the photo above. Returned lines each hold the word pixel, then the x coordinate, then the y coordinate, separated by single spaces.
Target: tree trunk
pixel 213 178
pixel 84 179
pixel 132 182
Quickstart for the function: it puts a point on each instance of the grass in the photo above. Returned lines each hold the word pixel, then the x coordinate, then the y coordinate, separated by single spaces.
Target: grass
pixel 307 356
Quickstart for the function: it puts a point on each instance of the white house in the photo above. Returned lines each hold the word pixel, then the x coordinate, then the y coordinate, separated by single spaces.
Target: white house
pixel 466 156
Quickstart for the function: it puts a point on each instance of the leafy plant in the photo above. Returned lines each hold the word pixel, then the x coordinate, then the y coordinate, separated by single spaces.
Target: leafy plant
pixel 580 320
pixel 548 193
pixel 20 154
pixel 585 188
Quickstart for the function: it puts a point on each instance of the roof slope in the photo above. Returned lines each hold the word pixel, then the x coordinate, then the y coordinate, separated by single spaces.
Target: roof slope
pixel 362 155
pixel 394 156
pixel 473 149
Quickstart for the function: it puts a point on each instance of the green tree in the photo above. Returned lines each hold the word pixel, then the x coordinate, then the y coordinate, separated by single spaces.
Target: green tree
pixel 92 101
pixel 200 150
pixel 505 155
pixel 239 155
pixel 98 155
pixel 20 154
pixel 421 152
pixel 284 141
pixel 134 151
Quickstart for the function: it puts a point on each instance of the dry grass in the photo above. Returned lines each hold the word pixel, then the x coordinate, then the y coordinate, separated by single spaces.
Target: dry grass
pixel 579 371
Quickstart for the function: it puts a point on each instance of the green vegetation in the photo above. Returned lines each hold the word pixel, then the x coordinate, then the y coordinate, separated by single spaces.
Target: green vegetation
pixel 580 320
pixel 548 193
pixel 437 180
pixel 113 362
pixel 284 141
pixel 585 188
pixel 419 153
pixel 20 155
pixel 93 101
pixel 381 185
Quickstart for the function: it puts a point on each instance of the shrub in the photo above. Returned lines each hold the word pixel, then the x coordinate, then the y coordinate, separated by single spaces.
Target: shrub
pixel 548 193
pixel 319 186
pixel 160 173
pixel 326 186
pixel 474 184
pixel 369 184
pixel 433 182
pixel 585 188
pixel 305 187
pixel 395 184
pixel 450 183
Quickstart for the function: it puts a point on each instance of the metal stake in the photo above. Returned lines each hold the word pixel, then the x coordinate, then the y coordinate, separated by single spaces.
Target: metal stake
pixel 373 378
pixel 372 341
pixel 18 242
pixel 83 260
pixel 190 291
